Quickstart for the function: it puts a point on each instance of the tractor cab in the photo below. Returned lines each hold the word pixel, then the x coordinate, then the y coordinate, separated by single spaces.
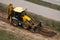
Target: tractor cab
pixel 18 13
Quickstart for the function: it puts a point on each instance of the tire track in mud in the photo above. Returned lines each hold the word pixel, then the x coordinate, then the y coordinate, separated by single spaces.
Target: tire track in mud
pixel 17 31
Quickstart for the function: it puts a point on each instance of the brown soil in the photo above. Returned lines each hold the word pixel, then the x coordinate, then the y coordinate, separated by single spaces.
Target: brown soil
pixel 41 34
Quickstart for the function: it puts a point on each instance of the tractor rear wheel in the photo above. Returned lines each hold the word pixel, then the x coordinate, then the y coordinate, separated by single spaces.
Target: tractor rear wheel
pixel 15 23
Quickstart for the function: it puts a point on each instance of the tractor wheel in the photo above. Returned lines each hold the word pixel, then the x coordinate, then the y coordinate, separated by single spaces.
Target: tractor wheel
pixel 25 26
pixel 15 23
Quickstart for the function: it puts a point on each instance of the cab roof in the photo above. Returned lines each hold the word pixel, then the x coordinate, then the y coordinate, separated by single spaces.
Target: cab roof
pixel 19 9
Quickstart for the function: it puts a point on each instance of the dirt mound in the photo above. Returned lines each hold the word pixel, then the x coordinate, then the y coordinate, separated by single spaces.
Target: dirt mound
pixel 46 32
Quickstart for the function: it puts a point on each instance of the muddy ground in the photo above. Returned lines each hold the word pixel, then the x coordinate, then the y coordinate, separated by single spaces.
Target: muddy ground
pixel 5 25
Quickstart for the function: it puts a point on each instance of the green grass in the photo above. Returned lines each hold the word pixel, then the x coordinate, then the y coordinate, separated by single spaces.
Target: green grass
pixel 6 36
pixel 43 3
pixel 3 7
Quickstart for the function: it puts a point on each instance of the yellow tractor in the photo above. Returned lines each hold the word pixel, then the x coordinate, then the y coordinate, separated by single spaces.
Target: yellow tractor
pixel 17 16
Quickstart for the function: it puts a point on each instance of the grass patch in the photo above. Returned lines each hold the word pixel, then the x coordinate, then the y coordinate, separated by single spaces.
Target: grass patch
pixel 3 7
pixel 6 36
pixel 47 4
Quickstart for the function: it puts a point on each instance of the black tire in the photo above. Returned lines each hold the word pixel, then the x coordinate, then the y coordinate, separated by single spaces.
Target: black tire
pixel 25 25
pixel 15 23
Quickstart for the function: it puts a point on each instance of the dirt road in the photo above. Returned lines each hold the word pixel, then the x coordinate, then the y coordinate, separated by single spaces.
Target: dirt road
pixel 38 9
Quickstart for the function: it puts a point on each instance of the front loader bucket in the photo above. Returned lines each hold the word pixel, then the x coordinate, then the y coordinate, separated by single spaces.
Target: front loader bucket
pixel 36 27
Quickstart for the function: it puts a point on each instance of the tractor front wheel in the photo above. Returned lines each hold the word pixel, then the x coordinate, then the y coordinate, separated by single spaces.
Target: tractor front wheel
pixel 25 25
